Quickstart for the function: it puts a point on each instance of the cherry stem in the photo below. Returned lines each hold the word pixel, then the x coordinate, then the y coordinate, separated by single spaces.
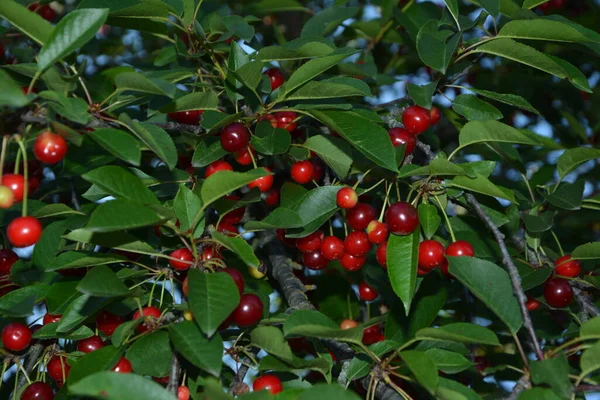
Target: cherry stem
pixel 25 175
pixel 349 306
pixel 385 201
pixel 447 219
pixel 252 157
pixel 4 367
pixel 562 253
pixel 363 176
pixel 5 141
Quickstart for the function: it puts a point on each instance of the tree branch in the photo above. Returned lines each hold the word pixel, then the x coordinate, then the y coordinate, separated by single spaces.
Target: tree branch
pixel 426 149
pixel 174 376
pixel 522 385
pixel 583 299
pixel 176 126
pixel 33 355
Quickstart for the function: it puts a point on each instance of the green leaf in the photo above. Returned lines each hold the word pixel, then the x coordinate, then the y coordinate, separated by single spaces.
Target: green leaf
pixel 538 223
pixel 574 75
pixel 297 49
pixel 491 131
pixel 448 362
pixel 490 284
pixel 79 310
pixel 121 183
pixel 323 391
pixel 422 367
pixel 238 246
pixel 28 22
pixel 590 360
pixel 271 340
pixel 11 93
pixel 336 153
pixel 48 331
pixel 439 166
pixel 572 158
pixel 223 182
pixel 115 240
pixel 20 302
pixel 461 332
pixel 568 196
pixel 263 7
pixel 269 140
pixel 367 137
pixel 327 20
pixel 208 151
pixel 538 393
pixel 118 143
pixel 101 281
pixel 54 210
pixel 186 206
pixel 541 29
pixel 49 244
pixel 475 109
pixel 314 209
pixel 314 324
pixel 331 88
pixel 155 138
pixel 491 6
pixel 212 298
pixel 102 359
pixel 73 109
pixel 151 354
pixel 73 31
pixel 451 390
pixel 116 215
pixel 123 331
pixel 193 101
pixel 402 255
pixel 436 47
pixel 554 372
pixel 422 95
pixel 506 98
pixel 453 8
pixel 590 328
pixel 114 386
pixel 429 219
pixel 191 343
pixel 588 251
pixel 481 185
pixel 74 259
pixel 136 82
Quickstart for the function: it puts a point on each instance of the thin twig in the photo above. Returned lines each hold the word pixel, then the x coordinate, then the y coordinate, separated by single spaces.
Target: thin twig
pixel 522 385
pixel 176 126
pixel 174 376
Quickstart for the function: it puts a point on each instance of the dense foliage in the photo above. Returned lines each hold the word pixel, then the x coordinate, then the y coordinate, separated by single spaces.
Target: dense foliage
pixel 315 200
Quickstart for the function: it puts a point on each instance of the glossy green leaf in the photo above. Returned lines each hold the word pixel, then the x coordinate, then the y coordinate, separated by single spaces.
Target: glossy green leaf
pixel 402 256
pixel 75 259
pixel 20 302
pixel 136 82
pixel 207 151
pixel 314 324
pixel 186 206
pixel 78 311
pixel 118 143
pixel 114 386
pixel 449 389
pixel 223 182
pixel 297 49
pixel 590 359
pixel 30 23
pixel 587 251
pixel 101 359
pixel 492 131
pixel 448 362
pixel 481 185
pixel 327 20
pixel 460 332
pixel 538 393
pixel 475 109
pixel 335 152
pixel 323 391
pixel 429 219
pixel 73 109
pixel 238 246
pixel 49 331
pixel 116 215
pixel 568 196
pixel 422 95
pixel 155 138
pixel 11 94
pixel 572 158
pixel 269 140
pixel 436 47
pixel 506 98
pixel 121 183
pixel 541 29
pixel 422 367
pixel 101 281
pixel 271 340
pixel 196 348
pixel 193 101
pixel 151 354
pixel 554 372
pixel 331 88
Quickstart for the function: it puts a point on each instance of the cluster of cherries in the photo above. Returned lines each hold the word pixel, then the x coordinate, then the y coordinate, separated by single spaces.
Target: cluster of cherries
pixel 558 293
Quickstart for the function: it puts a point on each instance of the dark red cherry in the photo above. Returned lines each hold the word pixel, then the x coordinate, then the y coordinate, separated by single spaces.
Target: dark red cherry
pixel 357 244
pixel 318 169
pixel 352 263
pixel 372 335
pixel 302 171
pixel 275 76
pixel 123 366
pixel 558 293
pixel 402 136
pixel 90 344
pixel 431 254
pixel 7 259
pixel 189 117
pixel 217 166
pixel 234 137
pixel 237 278
pixel 272 198
pixel 249 311
pixel 402 218
pixel 234 216
pixel 346 198
pixel 24 231
pixel 311 242
pixel 416 119
pixel 314 260
pixel 38 391
pixel 183 259
pixel 291 242
pixel 332 248
pixel 44 11
pixel 108 322
pixel 16 336
pixel 359 216
pixel 151 316
pixel 286 120
pixel 271 383
pixel 565 266
pixel 367 292
pixel 381 254
pixel 532 304
pixel 58 369
pixel 460 248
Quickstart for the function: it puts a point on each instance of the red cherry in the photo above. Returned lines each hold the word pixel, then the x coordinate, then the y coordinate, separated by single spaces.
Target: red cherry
pixel 90 344
pixel 291 242
pixel 249 311
pixel 217 166
pixel 302 171
pixel 352 263
pixel 184 259
pixel 44 11
pixel 421 271
pixel 359 216
pixel 434 115
pixel 189 117
pixel 357 244
pixel 346 198
pixel 24 231
pixel 377 231
pixel 381 254
pixel 311 242
pixel 123 366
pixel 532 304
pixel 237 278
pixel 272 197
pixel 567 267
pixel 314 260
pixel 444 269
pixel 151 315
pixel 285 120
pixel 348 324
pixel 270 118
pixel 38 391
pixel 402 136
pixel 234 216
pixel 183 393
pixel 402 218
pixel 58 369
pixel 7 259
pixel 51 318
pixel 7 197
pixel 209 252
pixel 16 336
pixel 244 156
pixel 558 293
pixel 431 254
pixel 460 248
pixel 271 383
pixel 234 137
pixel 317 168
pixel 332 248
pixel 163 380
pixel 227 229
pixel 16 183
pixel 50 148
pixel 185 287
pixel 372 335
pixel 108 322
pixel 276 77
pixel 263 183
pixel 416 119
pixel 366 292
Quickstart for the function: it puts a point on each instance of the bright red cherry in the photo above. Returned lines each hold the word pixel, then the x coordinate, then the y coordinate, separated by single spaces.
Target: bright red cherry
pixel 372 335
pixel 217 166
pixel 285 120
pixel 38 391
pixel 402 218
pixel 24 231
pixel 357 244
pixel 16 183
pixel 209 252
pixel 7 259
pixel 184 259
pixel 275 76
pixel 359 216
pixel 416 119
pixel 227 228
pixel 90 344
pixel 44 11
pixel 51 318
pixel 272 197
pixel 381 254
pixel 346 198
pixel 7 197
pixel 183 393
pixel 58 369
pixel 123 366
pixel 50 148
pixel 268 382
pixel 377 231
pixel 367 292
pixel 237 278
pixel 402 136
pixel 332 248
pixel 352 263
pixel 565 266
pixel 311 242
pixel 434 115
pixel 302 171
pixel 108 322
pixel 249 311
pixel 558 293
pixel 244 156
pixel 189 117
pixel 151 316
pixel 234 137
pixel 314 260
pixel 16 336
pixel 263 183
pixel 532 304
pixel 431 254
pixel 348 324
pixel 460 248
